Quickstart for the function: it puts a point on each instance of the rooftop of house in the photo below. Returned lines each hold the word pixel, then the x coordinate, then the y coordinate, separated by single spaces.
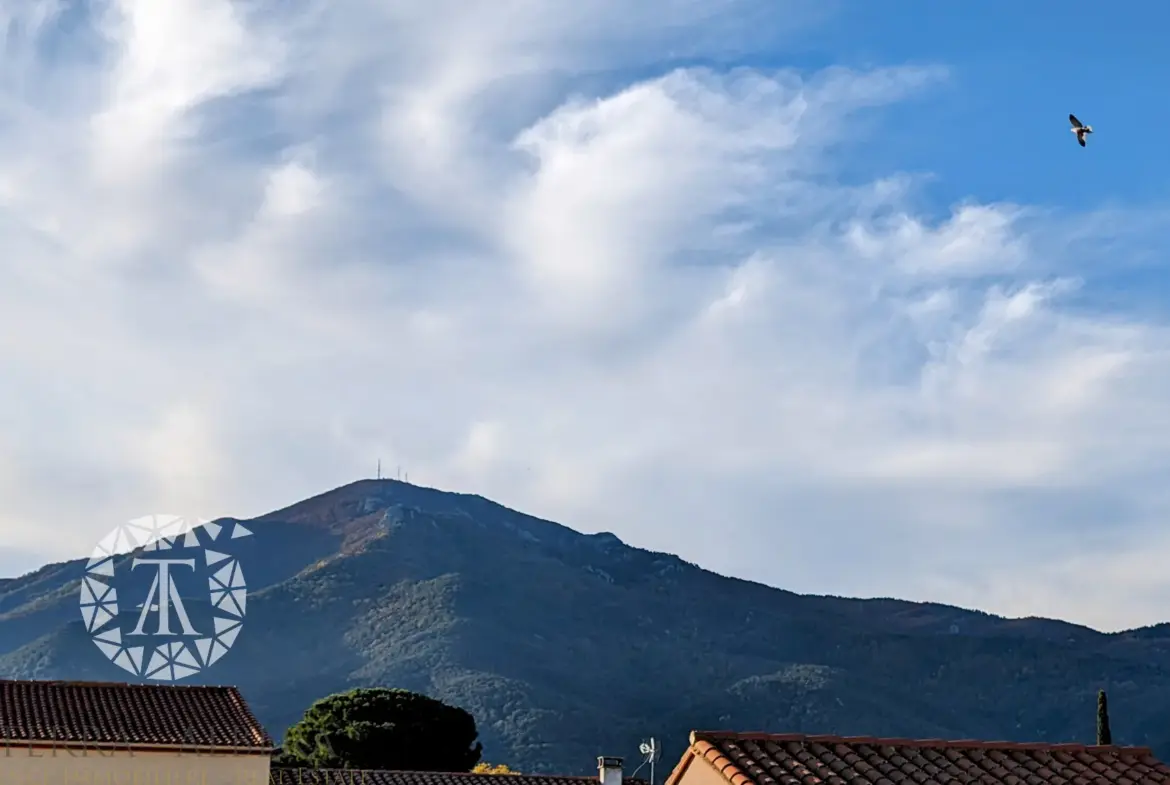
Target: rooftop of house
pixel 281 776
pixel 296 776
pixel 792 759
pixel 140 716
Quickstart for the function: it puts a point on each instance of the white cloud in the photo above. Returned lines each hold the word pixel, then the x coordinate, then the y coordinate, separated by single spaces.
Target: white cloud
pixel 171 59
pixel 248 254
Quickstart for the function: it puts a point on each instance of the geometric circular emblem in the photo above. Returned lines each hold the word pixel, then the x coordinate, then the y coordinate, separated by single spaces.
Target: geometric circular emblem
pixel 183 595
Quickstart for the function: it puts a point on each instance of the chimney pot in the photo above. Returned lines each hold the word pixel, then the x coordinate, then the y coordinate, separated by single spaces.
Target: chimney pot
pixel 610 770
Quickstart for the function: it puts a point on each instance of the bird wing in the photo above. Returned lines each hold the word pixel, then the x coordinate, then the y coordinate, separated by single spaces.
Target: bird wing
pixel 1081 139
pixel 1072 118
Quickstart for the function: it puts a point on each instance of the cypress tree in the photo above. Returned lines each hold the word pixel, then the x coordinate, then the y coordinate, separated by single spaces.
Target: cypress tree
pixel 1104 737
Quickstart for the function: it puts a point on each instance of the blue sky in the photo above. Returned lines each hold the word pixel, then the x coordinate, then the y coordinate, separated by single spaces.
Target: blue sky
pixel 812 293
pixel 1018 69
pixel 999 131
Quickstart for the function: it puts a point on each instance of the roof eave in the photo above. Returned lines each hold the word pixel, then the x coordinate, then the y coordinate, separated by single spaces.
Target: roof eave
pixel 9 744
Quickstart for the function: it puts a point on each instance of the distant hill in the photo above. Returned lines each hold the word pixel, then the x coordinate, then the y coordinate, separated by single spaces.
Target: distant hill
pixel 566 646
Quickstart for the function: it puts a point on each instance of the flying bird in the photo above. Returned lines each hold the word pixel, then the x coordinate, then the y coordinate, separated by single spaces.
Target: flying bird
pixel 1079 129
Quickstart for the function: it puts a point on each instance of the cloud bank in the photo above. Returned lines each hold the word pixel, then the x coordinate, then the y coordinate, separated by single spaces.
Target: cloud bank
pixel 585 263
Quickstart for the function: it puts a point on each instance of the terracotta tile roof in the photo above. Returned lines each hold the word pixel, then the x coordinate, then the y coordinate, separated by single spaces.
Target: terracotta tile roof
pixel 359 777
pixel 771 759
pixel 127 715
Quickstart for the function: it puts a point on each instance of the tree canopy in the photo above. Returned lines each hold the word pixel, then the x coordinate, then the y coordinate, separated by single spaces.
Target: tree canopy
pixel 380 728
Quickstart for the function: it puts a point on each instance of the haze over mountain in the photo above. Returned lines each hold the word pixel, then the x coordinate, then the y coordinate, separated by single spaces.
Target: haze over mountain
pixel 566 646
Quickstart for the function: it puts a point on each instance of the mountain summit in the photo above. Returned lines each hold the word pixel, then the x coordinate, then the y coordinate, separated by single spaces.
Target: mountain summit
pixel 565 646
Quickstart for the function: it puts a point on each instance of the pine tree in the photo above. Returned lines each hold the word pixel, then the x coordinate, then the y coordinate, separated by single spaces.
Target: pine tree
pixel 1104 737
pixel 382 728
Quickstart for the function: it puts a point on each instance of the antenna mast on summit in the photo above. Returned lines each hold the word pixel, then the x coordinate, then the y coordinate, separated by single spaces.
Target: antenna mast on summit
pixel 379 468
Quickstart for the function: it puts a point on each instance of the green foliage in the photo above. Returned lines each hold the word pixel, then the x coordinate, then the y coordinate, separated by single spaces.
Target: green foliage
pixel 281 760
pixel 378 728
pixel 1104 735
pixel 566 646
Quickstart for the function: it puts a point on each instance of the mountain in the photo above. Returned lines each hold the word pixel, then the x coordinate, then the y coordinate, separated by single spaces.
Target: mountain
pixel 565 646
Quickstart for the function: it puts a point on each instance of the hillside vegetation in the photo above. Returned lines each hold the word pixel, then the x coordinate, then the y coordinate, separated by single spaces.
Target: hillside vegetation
pixel 565 646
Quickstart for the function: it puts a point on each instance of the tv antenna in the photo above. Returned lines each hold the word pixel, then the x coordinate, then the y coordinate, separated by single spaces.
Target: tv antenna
pixel 651 752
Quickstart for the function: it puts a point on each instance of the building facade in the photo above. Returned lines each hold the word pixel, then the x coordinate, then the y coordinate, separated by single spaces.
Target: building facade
pixel 91 733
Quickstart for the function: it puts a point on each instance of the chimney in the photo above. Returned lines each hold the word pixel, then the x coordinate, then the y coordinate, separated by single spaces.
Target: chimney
pixel 610 770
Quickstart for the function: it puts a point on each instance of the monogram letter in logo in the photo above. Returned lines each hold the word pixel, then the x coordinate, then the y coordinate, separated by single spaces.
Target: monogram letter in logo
pixel 197 594
pixel 164 592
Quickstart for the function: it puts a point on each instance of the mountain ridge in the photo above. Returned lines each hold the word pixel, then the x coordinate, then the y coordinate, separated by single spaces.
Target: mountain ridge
pixel 566 645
